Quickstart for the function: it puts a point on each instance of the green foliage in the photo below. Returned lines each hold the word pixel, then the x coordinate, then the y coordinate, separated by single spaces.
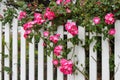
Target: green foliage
pixel 7 69
pixel 111 61
pixel 9 15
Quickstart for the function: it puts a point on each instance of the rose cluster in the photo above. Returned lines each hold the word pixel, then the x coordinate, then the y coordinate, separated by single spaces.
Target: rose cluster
pixel 109 19
pixel 66 66
pixel 39 19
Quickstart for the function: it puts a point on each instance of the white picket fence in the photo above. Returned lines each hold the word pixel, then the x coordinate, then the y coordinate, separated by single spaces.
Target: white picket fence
pixel 27 72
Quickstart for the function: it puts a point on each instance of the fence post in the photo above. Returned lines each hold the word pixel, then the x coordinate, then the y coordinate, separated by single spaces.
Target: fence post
pixel 105 60
pixel 1 13
pixel 32 60
pixel 117 50
pixel 41 59
pixel 80 52
pixel 7 51
pixel 60 31
pixel 23 56
pixel 15 50
pixel 0 51
pixel 92 60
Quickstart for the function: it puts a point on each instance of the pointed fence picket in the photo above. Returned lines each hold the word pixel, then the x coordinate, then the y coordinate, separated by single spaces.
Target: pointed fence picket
pixel 1 51
pixel 117 50
pixel 60 31
pixel 92 60
pixel 7 51
pixel 32 60
pixel 15 51
pixel 80 52
pixel 105 60
pixel 70 55
pixel 50 67
pixel 23 56
pixel 1 45
pixel 40 60
pixel 49 62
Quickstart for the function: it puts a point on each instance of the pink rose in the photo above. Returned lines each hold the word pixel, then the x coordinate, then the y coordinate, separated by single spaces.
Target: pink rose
pixel 28 25
pixel 67 1
pixel 59 1
pixel 22 15
pixel 68 10
pixel 1 16
pixel 46 33
pixel 44 44
pixel 38 18
pixel 58 50
pixel 111 31
pixel 54 38
pixel 109 18
pixel 27 32
pixel 55 62
pixel 96 20
pixel 66 66
pixel 50 15
pixel 71 28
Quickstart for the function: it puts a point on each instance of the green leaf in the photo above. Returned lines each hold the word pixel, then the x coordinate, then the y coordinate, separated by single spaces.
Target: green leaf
pixel 7 69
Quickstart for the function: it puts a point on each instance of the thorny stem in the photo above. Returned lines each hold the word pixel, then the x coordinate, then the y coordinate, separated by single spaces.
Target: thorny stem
pixel 73 52
pixel 82 72
pixel 115 71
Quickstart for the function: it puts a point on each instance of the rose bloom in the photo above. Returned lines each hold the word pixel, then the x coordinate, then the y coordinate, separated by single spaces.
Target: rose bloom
pixel 22 15
pixel 71 28
pixel 55 62
pixel 1 16
pixel 68 10
pixel 26 33
pixel 67 1
pixel 111 31
pixel 96 20
pixel 66 66
pixel 59 1
pixel 109 18
pixel 46 33
pixel 28 25
pixel 55 38
pixel 38 18
pixel 50 15
pixel 44 44
pixel 58 50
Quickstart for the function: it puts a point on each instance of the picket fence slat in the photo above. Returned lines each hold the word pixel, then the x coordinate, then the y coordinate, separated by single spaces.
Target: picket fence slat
pixel 60 31
pixel 32 60
pixel 7 51
pixel 50 67
pixel 92 60
pixel 15 50
pixel 80 52
pixel 0 51
pixel 49 63
pixel 1 44
pixel 23 56
pixel 40 60
pixel 105 60
pixel 69 45
pixel 117 50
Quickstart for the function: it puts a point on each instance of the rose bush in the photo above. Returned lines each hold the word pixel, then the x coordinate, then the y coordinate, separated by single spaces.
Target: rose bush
pixel 94 16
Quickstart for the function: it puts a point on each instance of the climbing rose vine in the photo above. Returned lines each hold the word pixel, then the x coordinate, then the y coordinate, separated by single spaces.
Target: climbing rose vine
pixel 42 22
pixel 48 18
